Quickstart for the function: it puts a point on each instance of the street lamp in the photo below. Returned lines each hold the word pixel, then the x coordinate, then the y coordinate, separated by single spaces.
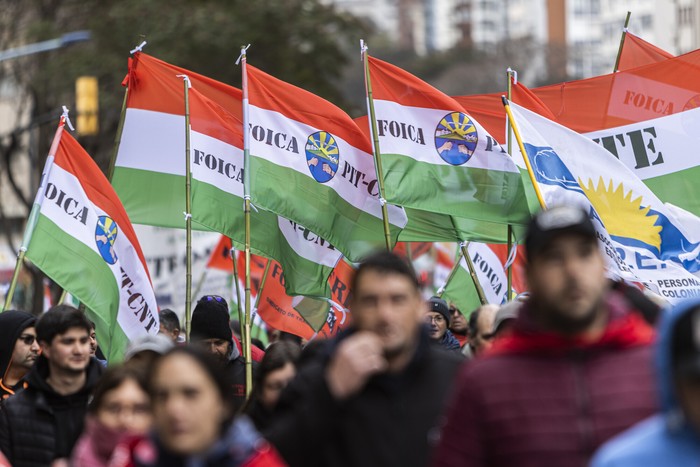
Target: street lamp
pixel 52 44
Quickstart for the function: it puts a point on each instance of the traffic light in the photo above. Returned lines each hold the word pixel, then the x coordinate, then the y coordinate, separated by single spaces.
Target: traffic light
pixel 87 105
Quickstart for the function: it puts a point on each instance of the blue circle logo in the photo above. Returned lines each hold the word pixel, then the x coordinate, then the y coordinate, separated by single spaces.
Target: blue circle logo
pixel 322 156
pixel 105 235
pixel 456 138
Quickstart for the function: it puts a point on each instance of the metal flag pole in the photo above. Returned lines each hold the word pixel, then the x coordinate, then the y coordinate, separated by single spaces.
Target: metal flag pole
pixel 622 43
pixel 36 207
pixel 246 211
pixel 375 145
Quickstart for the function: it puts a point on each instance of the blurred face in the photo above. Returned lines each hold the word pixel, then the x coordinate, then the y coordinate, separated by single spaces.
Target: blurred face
pixel 274 383
pixel 220 348
pixel 26 349
pixel 388 305
pixel 458 324
pixel 93 342
pixel 187 408
pixel 437 324
pixel 484 326
pixel 173 335
pixel 68 352
pixel 688 391
pixel 126 408
pixel 567 283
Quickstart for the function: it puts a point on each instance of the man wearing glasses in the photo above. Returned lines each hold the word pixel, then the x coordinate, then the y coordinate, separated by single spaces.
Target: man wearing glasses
pixel 438 320
pixel 18 350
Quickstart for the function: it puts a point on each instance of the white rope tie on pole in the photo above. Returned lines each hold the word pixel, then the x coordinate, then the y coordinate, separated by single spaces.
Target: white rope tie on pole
pixel 187 215
pixel 187 80
pixel 243 52
pixel 511 256
pixel 514 73
pixel 138 48
pixel 363 49
pixel 382 201
pixel 64 116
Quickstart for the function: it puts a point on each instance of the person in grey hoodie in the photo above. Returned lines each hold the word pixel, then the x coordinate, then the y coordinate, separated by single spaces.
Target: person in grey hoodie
pixel 672 436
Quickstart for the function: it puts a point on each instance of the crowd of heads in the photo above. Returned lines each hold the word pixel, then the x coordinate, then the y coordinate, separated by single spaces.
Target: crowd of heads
pixel 186 395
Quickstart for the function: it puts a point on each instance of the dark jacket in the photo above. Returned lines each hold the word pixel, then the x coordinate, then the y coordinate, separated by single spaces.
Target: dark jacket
pixel 236 369
pixel 666 438
pixel 391 422
pixel 12 323
pixel 38 425
pixel 541 399
pixel 449 342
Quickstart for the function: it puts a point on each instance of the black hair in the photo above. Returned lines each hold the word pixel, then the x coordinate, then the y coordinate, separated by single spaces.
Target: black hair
pixel 114 377
pixel 169 319
pixel 277 355
pixel 221 379
pixel 58 320
pixel 385 262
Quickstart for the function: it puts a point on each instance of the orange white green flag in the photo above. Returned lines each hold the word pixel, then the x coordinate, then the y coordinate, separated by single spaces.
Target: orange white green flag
pixel 310 163
pixel 150 169
pixel 437 158
pixel 83 240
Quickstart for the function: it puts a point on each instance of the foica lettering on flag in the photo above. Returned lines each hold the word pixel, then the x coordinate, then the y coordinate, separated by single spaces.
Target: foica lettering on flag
pixel 84 241
pixel 310 163
pixel 437 158
pixel 641 238
pixel 150 171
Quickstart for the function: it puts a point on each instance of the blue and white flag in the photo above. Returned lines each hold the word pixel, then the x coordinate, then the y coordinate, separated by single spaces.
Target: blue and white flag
pixel 642 239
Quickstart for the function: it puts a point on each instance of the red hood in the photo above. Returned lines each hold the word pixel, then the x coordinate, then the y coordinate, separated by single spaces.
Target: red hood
pixel 626 328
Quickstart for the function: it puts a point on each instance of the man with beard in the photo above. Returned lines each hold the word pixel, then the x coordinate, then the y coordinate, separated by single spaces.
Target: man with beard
pixel 41 423
pixel 374 394
pixel 211 330
pixel 18 350
pixel 573 371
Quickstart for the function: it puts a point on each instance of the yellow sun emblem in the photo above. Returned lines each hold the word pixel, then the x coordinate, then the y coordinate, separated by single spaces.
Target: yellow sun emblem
pixel 622 215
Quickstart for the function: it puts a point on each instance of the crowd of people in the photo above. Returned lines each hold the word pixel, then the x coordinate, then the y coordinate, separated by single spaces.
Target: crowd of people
pixel 576 372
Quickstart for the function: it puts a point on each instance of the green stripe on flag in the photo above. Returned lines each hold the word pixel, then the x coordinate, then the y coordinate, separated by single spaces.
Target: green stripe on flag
pixel 354 232
pixel 152 198
pixel 461 291
pixel 479 194
pixel 81 271
pixel 678 188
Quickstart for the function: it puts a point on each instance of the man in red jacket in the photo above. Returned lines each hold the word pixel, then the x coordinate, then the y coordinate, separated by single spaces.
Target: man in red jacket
pixel 575 371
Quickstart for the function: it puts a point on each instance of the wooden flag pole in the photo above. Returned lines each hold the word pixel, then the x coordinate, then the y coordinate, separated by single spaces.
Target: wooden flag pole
pixel 238 290
pixel 375 146
pixel 522 150
pixel 260 290
pixel 442 289
pixel 246 209
pixel 622 43
pixel 464 246
pixel 510 74
pixel 118 137
pixel 188 212
pixel 36 208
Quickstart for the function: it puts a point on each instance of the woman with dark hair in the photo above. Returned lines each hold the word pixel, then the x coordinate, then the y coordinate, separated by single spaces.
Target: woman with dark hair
pixel 277 368
pixel 120 408
pixel 193 411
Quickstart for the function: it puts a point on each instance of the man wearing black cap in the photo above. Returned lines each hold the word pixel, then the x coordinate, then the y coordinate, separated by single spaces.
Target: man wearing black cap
pixel 211 330
pixel 438 320
pixel 574 370
pixel 18 350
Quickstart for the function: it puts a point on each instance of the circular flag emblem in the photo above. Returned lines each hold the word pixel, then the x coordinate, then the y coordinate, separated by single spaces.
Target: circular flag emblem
pixel 105 235
pixel 456 138
pixel 322 156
